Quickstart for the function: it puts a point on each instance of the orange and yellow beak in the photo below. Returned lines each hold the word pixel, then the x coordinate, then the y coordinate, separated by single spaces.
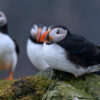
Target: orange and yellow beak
pixel 42 39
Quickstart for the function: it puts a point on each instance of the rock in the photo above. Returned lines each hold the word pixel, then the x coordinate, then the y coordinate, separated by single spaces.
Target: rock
pixel 61 86
pixel 63 91
pixel 88 86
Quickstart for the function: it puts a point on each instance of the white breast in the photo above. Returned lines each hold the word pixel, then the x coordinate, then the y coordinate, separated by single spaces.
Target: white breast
pixel 34 52
pixel 56 57
pixel 8 56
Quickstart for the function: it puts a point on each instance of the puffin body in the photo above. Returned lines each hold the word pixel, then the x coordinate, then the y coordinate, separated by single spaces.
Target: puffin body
pixel 57 58
pixel 8 56
pixel 8 48
pixel 34 52
pixel 71 53
pixel 34 48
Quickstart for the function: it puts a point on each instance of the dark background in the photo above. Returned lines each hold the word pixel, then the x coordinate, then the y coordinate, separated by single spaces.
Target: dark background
pixel 81 16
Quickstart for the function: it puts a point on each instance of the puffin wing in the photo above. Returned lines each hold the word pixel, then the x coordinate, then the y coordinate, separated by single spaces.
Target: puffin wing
pixel 80 51
pixel 98 47
pixel 16 47
pixel 77 45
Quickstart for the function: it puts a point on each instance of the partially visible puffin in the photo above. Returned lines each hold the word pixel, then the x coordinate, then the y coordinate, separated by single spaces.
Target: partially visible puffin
pixel 70 52
pixel 8 48
pixel 34 47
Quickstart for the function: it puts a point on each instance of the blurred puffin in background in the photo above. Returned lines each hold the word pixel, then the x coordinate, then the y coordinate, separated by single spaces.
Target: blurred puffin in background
pixel 9 49
pixel 34 47
pixel 69 52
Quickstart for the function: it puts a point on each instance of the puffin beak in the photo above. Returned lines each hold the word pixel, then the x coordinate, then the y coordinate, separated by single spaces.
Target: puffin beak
pixel 39 34
pixel 42 39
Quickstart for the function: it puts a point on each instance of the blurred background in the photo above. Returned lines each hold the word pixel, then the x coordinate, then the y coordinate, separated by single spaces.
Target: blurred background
pixel 80 16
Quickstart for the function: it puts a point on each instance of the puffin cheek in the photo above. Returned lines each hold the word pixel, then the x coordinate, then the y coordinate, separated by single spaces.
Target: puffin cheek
pixel 57 38
pixel 62 36
pixel 2 20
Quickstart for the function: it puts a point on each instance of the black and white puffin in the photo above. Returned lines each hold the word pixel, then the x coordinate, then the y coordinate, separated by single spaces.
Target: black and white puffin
pixel 34 47
pixel 8 48
pixel 70 52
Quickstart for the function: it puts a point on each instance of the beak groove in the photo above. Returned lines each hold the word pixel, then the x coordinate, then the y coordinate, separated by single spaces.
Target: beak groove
pixel 42 39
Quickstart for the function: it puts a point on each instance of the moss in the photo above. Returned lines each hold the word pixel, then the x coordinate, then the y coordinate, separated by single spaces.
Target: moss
pixel 62 86
pixel 29 97
pixel 89 83
pixel 4 84
pixel 63 91
pixel 31 85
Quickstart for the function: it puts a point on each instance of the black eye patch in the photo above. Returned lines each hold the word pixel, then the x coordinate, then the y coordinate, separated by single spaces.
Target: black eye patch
pixel 58 32
pixel 58 26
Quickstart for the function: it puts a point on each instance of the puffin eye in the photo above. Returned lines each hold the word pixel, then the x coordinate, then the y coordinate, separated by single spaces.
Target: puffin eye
pixel 58 32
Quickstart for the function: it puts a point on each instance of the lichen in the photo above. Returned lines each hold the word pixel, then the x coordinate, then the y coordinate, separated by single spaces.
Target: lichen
pixel 61 86
pixel 89 84
pixel 63 91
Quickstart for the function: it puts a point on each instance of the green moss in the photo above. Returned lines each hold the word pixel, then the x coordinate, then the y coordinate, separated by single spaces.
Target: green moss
pixel 63 91
pixel 89 84
pixel 62 86
pixel 31 85
pixel 4 84
pixel 29 97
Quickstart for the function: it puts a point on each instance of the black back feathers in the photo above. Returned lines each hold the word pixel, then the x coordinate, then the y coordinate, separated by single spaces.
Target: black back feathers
pixel 80 51
pixel 4 29
pixel 59 26
pixel 16 47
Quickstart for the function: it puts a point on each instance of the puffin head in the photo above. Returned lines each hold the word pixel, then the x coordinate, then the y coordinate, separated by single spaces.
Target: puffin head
pixel 3 19
pixel 54 34
pixel 36 31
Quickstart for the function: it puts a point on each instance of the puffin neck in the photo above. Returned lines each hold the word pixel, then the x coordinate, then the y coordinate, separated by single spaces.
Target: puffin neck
pixel 67 36
pixel 4 29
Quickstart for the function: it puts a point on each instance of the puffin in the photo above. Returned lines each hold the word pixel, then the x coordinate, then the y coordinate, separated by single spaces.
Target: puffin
pixel 34 47
pixel 9 49
pixel 69 52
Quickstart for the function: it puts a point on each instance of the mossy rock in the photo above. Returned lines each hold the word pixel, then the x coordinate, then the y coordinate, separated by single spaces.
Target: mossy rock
pixel 63 91
pixel 87 86
pixel 4 84
pixel 62 86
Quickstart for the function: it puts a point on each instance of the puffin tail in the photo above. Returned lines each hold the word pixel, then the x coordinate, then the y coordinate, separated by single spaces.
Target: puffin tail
pixel 93 68
pixel 98 58
pixel 98 47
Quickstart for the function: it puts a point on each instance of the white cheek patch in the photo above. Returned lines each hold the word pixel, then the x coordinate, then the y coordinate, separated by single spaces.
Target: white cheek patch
pixel 3 21
pixel 59 37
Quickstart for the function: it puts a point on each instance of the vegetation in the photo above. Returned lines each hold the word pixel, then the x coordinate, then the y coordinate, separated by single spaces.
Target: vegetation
pixel 62 86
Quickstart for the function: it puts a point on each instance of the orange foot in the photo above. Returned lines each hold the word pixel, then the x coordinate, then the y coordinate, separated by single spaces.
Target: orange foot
pixel 10 76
